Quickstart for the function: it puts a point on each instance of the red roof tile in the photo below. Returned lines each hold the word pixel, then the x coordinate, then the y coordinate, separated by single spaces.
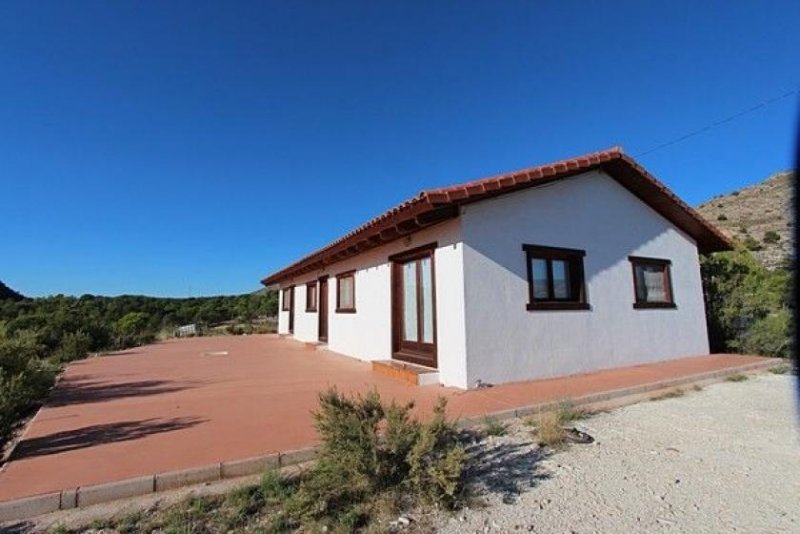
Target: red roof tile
pixel 435 205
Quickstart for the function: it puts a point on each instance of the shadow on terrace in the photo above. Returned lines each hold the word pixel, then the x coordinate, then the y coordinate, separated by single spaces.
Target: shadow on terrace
pixel 76 391
pixel 94 435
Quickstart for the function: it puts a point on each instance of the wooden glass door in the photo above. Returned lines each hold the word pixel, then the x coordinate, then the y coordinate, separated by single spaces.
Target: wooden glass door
pixel 414 308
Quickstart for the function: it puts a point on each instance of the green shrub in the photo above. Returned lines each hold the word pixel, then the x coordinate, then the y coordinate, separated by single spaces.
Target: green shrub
pixel 370 452
pixel 493 427
pixel 722 217
pixel 752 244
pixel 671 394
pixel 737 378
pixel 274 487
pixel 771 237
pixel 770 335
pixel 25 380
pixel 747 306
pixel 74 346
pixel 436 461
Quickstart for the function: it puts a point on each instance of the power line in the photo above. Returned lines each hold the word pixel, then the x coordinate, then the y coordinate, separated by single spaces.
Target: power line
pixel 718 123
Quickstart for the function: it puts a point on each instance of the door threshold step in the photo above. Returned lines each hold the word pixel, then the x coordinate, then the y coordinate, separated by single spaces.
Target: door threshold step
pixel 416 375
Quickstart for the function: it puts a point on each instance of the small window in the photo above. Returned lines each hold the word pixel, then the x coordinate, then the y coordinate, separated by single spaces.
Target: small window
pixel 287 299
pixel 346 293
pixel 652 284
pixel 311 297
pixel 555 278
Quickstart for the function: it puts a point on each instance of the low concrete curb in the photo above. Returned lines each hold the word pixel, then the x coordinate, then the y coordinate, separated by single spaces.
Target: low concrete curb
pixel 111 491
pixel 100 493
pixel 623 396
pixel 134 487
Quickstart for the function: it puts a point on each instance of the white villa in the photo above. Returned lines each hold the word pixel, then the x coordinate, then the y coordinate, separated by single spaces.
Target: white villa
pixel 574 266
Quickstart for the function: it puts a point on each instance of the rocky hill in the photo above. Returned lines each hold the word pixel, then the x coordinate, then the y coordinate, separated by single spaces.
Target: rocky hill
pixel 8 293
pixel 758 216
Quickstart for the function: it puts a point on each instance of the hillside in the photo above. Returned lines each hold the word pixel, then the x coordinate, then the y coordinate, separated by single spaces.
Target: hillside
pixel 758 216
pixel 6 293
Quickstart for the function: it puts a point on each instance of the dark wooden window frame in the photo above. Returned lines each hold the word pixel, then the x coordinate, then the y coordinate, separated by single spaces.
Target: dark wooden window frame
pixel 574 259
pixel 311 306
pixel 287 291
pixel 339 278
pixel 667 273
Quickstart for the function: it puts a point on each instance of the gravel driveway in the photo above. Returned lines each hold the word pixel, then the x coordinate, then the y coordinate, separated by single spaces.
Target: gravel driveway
pixel 724 459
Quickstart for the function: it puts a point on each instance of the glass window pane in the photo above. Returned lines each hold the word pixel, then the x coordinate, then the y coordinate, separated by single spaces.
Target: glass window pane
pixel 650 283
pixel 427 300
pixel 561 286
pixel 346 293
pixel 410 301
pixel 540 279
pixel 311 297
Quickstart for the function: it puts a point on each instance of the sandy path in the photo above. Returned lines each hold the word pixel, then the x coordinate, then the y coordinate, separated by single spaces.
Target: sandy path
pixel 725 459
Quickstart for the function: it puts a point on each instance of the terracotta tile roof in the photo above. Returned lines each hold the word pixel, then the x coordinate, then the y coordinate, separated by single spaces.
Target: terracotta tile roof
pixel 435 205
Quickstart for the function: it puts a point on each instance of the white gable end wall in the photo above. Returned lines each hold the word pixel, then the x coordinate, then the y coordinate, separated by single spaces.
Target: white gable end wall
pixel 506 342
pixel 366 334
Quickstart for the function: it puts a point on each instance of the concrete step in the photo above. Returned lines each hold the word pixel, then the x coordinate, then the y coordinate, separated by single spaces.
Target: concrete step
pixel 416 375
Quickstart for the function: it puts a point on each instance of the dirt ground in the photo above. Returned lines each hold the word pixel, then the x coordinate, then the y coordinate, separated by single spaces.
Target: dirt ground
pixel 725 459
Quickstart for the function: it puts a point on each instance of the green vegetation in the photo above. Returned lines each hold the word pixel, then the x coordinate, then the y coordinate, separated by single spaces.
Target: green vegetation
pixel 493 427
pixel 722 217
pixel 748 306
pixel 375 457
pixel 737 378
pixel 36 335
pixel 111 323
pixel 780 369
pixel 751 243
pixel 771 236
pixel 568 412
pixel 26 375
pixel 374 463
pixel 549 425
pixel 671 394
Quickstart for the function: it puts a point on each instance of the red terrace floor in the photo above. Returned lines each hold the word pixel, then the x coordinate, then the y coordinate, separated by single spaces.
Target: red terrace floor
pixel 179 404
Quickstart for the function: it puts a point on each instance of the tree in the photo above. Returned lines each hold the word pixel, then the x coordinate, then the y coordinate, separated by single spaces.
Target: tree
pixel 747 305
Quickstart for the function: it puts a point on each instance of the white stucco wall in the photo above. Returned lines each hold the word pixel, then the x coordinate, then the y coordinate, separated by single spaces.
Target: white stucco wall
pixel 366 334
pixel 505 342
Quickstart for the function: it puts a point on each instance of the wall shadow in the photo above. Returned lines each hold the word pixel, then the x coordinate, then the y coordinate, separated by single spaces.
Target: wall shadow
pixel 72 391
pixel 90 436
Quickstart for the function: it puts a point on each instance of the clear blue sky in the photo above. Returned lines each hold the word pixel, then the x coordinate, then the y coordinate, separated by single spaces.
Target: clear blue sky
pixel 176 148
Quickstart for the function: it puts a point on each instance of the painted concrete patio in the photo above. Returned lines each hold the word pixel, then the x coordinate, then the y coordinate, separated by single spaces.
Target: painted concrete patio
pixel 187 403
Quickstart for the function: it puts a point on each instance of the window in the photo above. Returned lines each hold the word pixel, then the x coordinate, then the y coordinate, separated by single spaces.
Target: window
pixel 652 284
pixel 287 299
pixel 311 297
pixel 346 293
pixel 555 278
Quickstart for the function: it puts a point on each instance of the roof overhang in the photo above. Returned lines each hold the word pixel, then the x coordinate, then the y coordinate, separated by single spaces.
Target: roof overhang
pixel 433 206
